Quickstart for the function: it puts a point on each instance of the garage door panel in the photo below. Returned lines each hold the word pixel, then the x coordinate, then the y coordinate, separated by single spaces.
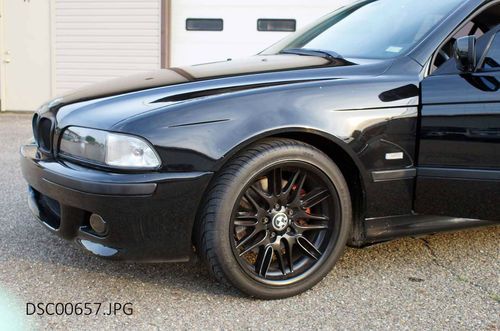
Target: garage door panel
pixel 93 5
pixel 105 12
pixel 77 31
pixel 111 40
pixel 92 61
pixel 103 19
pixel 101 40
pixel 69 26
pixel 82 46
pixel 108 53
pixel 98 67
pixel 105 72
pixel 87 79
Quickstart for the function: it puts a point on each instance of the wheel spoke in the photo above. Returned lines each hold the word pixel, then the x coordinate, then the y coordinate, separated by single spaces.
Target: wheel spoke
pixel 264 260
pixel 247 239
pixel 291 183
pixel 311 227
pixel 302 215
pixel 257 244
pixel 267 198
pixel 316 217
pixel 245 223
pixel 308 248
pixel 315 197
pixel 246 216
pixel 301 182
pixel 314 222
pixel 298 189
pixel 289 243
pixel 245 219
pixel 252 201
pixel 281 261
pixel 275 182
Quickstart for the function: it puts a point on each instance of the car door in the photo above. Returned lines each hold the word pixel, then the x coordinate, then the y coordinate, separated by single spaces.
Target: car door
pixel 459 145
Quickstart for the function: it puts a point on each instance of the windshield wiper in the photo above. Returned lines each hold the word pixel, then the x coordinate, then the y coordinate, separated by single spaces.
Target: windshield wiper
pixel 330 55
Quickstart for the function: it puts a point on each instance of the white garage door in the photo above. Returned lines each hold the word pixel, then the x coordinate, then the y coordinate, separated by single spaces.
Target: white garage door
pixel 235 26
pixel 105 39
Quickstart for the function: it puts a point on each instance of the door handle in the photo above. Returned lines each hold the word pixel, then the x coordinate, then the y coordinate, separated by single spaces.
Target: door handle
pixel 6 61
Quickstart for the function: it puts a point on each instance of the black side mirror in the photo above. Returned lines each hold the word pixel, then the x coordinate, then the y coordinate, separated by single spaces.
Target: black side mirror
pixel 464 51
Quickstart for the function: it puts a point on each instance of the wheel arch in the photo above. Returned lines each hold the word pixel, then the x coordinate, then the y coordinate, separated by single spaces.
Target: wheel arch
pixel 337 150
pixel 350 167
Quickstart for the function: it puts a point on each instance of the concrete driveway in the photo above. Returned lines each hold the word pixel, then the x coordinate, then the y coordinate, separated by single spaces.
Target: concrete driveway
pixel 440 282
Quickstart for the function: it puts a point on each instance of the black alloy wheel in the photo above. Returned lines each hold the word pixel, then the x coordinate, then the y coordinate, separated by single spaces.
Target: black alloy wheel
pixel 276 219
pixel 284 223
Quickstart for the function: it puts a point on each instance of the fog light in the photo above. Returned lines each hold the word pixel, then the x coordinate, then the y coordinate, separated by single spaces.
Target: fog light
pixel 98 224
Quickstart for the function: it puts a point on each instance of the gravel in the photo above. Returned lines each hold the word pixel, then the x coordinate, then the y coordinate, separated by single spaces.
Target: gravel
pixel 440 282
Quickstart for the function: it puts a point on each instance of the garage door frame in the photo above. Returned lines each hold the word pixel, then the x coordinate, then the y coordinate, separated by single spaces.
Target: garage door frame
pixel 2 65
pixel 53 48
pixel 166 10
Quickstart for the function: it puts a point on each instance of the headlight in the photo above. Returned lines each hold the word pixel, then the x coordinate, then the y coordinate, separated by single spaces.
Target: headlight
pixel 108 149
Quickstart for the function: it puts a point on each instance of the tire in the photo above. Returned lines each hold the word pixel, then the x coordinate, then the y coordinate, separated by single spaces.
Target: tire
pixel 312 206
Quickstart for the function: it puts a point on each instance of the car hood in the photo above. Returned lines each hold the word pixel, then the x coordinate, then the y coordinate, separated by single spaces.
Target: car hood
pixel 106 104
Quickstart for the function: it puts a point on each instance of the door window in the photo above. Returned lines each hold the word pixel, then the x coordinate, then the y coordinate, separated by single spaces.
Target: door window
pixel 478 26
pixel 492 58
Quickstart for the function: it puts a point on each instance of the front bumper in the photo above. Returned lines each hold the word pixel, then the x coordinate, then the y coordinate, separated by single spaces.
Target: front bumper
pixel 149 217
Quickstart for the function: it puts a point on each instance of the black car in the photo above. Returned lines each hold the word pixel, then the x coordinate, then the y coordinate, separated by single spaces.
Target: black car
pixel 380 121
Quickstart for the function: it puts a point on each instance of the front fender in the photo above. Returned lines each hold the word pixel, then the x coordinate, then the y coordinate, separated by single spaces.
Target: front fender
pixel 199 135
pixel 299 133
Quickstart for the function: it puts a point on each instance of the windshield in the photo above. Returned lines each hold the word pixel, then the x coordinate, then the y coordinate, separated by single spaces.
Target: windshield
pixel 376 29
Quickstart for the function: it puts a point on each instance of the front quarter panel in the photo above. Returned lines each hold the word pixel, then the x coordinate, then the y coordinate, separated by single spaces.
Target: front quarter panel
pixel 366 116
pixel 198 135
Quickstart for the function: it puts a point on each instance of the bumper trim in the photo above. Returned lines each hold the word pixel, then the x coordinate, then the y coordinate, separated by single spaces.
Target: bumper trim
pixel 105 188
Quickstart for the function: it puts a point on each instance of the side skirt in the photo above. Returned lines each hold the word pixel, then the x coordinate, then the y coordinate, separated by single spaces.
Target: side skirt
pixel 389 228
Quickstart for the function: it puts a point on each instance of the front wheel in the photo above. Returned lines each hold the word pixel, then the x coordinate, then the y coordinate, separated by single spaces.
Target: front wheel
pixel 276 219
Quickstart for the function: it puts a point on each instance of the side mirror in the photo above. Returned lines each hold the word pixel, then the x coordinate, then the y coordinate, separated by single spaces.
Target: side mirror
pixel 464 51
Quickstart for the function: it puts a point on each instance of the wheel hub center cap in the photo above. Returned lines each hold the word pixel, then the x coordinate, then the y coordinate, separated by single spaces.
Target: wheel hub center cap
pixel 280 221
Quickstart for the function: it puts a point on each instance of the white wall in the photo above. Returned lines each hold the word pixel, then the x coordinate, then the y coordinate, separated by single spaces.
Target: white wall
pixel 25 56
pixel 240 36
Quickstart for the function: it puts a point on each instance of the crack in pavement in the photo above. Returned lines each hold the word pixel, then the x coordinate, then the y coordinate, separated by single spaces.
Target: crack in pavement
pixel 493 296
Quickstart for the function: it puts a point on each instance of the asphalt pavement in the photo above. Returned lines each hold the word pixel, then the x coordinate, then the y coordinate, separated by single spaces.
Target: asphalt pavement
pixel 441 282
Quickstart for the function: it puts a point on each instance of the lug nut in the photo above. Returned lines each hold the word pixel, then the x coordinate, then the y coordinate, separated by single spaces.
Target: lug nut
pixel 277 206
pixel 265 220
pixel 289 230
pixel 273 234
pixel 290 212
